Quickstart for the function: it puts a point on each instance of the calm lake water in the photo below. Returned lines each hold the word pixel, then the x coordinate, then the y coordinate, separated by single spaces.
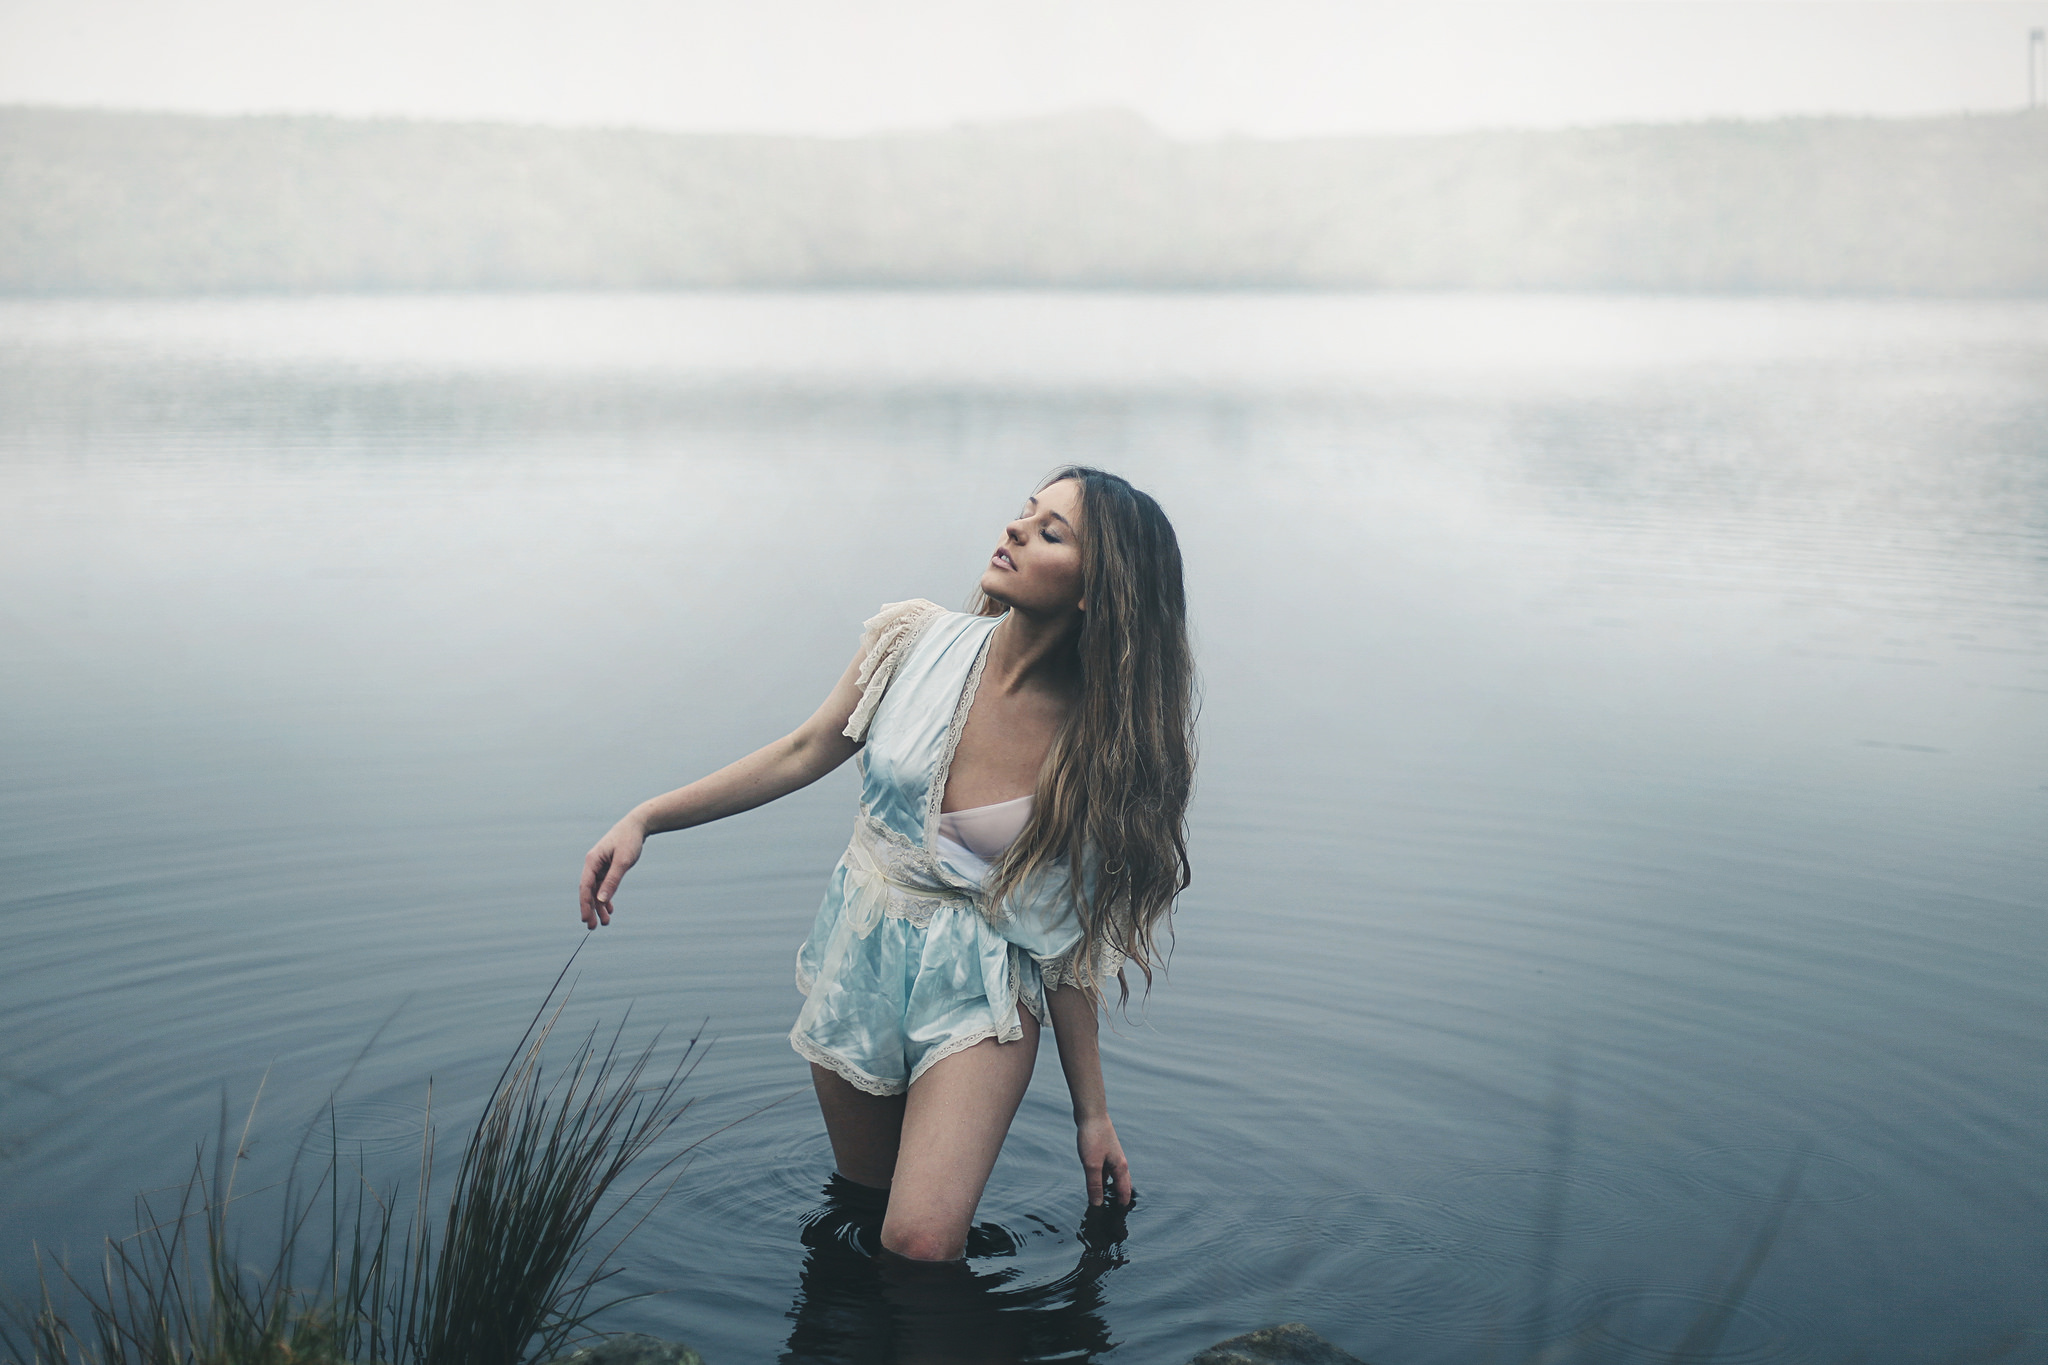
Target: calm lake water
pixel 1625 769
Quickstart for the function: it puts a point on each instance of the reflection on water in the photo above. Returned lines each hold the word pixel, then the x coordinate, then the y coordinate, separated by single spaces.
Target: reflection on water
pixel 853 1305
pixel 1661 681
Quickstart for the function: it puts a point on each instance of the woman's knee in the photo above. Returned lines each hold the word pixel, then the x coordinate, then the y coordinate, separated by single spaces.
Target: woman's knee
pixel 924 1240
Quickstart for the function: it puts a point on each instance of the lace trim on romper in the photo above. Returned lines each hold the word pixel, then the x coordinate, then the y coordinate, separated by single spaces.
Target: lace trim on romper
pixel 904 864
pixel 853 1075
pixel 936 796
pixel 1068 970
pixel 887 640
pixel 915 885
pixel 861 1079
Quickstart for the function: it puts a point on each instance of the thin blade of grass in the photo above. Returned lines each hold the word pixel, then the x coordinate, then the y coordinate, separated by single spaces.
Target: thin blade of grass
pixel 1703 1338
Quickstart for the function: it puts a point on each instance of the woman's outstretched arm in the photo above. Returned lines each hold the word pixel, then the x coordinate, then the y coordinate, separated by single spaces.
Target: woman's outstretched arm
pixel 798 759
pixel 1074 1025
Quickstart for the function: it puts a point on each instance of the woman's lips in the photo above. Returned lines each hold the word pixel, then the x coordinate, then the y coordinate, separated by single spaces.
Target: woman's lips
pixel 1001 560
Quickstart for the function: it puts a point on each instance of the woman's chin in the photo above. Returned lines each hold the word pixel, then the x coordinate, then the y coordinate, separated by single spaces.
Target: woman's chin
pixel 992 586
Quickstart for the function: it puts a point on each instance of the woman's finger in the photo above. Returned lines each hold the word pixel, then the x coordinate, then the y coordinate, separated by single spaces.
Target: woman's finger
pixel 1121 1169
pixel 609 885
pixel 1094 1170
pixel 594 864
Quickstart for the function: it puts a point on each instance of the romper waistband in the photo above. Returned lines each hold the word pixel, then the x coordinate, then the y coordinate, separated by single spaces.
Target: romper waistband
pixel 886 874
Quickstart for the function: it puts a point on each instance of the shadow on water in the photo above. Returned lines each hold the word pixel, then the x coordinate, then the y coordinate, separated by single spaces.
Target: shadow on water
pixel 1668 1325
pixel 1627 1327
pixel 858 1306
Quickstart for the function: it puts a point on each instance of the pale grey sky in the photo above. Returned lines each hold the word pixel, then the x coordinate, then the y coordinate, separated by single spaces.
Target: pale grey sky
pixel 1193 67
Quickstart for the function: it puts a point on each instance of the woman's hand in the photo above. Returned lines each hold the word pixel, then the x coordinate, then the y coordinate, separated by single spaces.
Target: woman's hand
pixel 1074 1025
pixel 1102 1161
pixel 605 865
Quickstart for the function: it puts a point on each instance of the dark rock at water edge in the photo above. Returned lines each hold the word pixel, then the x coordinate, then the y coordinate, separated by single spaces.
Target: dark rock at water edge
pixel 632 1349
pixel 1291 1343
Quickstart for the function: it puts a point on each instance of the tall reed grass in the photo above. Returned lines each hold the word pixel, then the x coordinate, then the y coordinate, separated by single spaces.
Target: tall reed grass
pixel 508 1270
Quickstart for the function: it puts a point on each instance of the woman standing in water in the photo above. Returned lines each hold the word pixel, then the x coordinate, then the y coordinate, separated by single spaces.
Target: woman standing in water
pixel 1049 730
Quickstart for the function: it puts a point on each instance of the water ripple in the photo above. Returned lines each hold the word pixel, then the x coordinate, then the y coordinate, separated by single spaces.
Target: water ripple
pixel 372 1127
pixel 1656 1322
pixel 1507 1197
pixel 1758 1172
pixel 1414 1282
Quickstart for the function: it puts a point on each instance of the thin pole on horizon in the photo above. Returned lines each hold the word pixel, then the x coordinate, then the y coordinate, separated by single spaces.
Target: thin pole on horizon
pixel 2037 64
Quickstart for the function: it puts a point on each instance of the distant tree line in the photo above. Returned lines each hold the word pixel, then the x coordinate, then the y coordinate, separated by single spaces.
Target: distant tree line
pixel 122 203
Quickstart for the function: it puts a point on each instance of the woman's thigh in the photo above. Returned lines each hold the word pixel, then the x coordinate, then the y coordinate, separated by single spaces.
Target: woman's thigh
pixel 953 1128
pixel 864 1128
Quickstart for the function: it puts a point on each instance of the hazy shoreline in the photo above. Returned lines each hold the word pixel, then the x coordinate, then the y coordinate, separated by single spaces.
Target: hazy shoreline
pixel 112 203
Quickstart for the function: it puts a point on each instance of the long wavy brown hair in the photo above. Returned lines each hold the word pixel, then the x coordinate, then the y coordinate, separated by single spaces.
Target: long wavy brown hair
pixel 1112 798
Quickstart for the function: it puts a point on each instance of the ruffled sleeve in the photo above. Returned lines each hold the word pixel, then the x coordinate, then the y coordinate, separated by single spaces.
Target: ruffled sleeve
pixel 1068 969
pixel 885 642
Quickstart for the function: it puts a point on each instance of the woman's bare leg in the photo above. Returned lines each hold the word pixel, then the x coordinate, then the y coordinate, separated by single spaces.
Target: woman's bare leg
pixel 953 1127
pixel 864 1128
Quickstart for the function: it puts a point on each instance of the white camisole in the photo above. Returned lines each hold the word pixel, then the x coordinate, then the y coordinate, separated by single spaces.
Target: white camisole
pixel 981 833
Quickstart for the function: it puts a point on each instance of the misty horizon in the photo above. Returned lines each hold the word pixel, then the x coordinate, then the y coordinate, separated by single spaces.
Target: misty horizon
pixel 1098 115
pixel 113 203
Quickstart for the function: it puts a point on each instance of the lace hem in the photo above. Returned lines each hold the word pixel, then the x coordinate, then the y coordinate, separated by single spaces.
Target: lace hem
pixel 1068 970
pixel 961 1044
pixel 1012 1033
pixel 886 638
pixel 845 1070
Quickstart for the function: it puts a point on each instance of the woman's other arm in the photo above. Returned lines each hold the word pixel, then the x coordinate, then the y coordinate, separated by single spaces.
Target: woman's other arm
pixel 796 760
pixel 1074 1024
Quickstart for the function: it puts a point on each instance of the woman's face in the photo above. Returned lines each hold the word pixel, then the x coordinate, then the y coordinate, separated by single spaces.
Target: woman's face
pixel 1037 566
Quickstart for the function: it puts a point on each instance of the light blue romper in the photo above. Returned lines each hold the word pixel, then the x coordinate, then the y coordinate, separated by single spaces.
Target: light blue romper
pixel 906 964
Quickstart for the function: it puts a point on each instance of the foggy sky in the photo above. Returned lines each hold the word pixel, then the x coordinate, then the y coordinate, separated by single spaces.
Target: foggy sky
pixel 1192 67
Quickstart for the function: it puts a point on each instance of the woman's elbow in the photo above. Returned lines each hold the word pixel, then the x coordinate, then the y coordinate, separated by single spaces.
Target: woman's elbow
pixel 809 753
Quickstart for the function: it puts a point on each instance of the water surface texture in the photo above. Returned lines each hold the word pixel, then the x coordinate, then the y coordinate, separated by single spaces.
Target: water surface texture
pixel 1624 773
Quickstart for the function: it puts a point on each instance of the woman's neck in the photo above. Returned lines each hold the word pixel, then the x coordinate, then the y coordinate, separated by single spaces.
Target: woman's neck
pixel 1032 651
